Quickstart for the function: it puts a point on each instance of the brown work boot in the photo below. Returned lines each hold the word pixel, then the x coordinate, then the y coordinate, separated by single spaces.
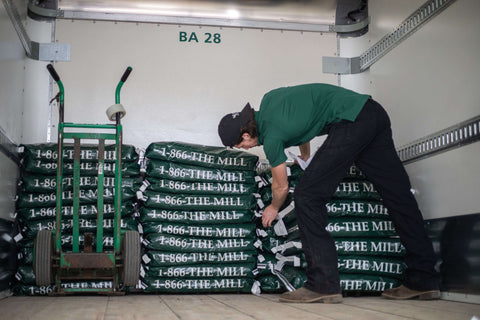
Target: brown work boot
pixel 403 293
pixel 304 295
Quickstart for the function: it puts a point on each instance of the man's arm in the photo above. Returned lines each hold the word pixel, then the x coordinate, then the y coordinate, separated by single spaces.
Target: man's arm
pixel 279 193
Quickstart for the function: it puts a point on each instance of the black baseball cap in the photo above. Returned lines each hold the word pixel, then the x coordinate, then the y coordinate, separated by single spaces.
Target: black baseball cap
pixel 229 128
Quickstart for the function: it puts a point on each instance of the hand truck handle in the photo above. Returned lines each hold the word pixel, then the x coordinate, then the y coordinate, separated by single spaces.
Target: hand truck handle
pixel 126 74
pixel 61 97
pixel 53 73
pixel 120 84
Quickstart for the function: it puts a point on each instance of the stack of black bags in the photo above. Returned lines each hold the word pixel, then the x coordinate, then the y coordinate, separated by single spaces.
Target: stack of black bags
pixel 198 209
pixel 197 219
pixel 370 255
pixel 36 202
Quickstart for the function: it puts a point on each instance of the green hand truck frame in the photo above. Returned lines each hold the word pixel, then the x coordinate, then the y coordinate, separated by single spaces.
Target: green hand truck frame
pixel 53 265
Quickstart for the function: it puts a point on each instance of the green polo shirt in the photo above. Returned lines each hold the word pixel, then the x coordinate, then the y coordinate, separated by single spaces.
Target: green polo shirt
pixel 292 116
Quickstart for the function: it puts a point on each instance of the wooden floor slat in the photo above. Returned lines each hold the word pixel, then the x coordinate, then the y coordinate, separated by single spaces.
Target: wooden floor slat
pixel 259 307
pixel 346 311
pixel 226 306
pixel 193 307
pixel 23 308
pixel 145 307
pixel 449 306
pixel 416 309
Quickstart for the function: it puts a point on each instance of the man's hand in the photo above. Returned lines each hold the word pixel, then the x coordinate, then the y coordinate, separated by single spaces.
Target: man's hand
pixel 268 216
pixel 279 194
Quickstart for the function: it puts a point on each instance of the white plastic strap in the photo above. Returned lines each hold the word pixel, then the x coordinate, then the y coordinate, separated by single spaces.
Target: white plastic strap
pixel 141 156
pixel 280 229
pixel 287 245
pixel 258 244
pixel 145 185
pixel 145 242
pixel 286 210
pixel 284 280
pixel 146 259
pixel 256 288
pixel 260 203
pixel 261 233
pixel 18 237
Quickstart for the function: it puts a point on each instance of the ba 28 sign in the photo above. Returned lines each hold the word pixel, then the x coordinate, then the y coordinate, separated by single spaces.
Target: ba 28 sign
pixel 206 37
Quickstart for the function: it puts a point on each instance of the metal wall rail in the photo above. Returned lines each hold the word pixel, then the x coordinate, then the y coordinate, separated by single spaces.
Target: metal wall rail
pixel 411 24
pixel 453 137
pixel 14 16
pixel 352 65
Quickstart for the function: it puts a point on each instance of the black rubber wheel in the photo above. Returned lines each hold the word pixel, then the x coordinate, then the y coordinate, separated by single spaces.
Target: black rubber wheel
pixel 131 258
pixel 43 258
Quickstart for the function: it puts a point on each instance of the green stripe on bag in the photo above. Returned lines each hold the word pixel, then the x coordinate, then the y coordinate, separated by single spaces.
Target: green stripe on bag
pixel 31 228
pixel 195 217
pixel 161 258
pixel 205 156
pixel 347 227
pixel 46 184
pixel 48 152
pixel 88 211
pixel 86 168
pixel 187 244
pixel 246 230
pixel 198 202
pixel 202 271
pixel 200 187
pixel 183 172
pixel 376 247
pixel 356 208
pixel 366 283
pixel 86 196
pixel 379 266
pixel 203 285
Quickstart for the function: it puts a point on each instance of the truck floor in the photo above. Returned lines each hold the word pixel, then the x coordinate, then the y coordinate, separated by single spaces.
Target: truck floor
pixel 226 306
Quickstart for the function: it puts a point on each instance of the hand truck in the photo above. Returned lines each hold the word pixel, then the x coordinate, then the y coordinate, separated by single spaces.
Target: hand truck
pixel 54 265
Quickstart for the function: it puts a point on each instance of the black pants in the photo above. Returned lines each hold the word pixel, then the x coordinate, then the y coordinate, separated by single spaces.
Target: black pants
pixel 368 142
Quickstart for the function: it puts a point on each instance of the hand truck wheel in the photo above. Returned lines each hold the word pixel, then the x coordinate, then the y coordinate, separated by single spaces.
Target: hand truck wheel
pixel 131 258
pixel 43 258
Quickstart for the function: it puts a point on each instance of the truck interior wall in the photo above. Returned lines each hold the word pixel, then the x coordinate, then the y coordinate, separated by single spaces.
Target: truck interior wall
pixel 185 78
pixel 8 187
pixel 37 111
pixel 427 83
pixel 12 80
pixel 183 83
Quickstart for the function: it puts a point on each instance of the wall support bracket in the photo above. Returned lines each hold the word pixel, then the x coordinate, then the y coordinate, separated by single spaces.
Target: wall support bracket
pixel 35 50
pixel 341 65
